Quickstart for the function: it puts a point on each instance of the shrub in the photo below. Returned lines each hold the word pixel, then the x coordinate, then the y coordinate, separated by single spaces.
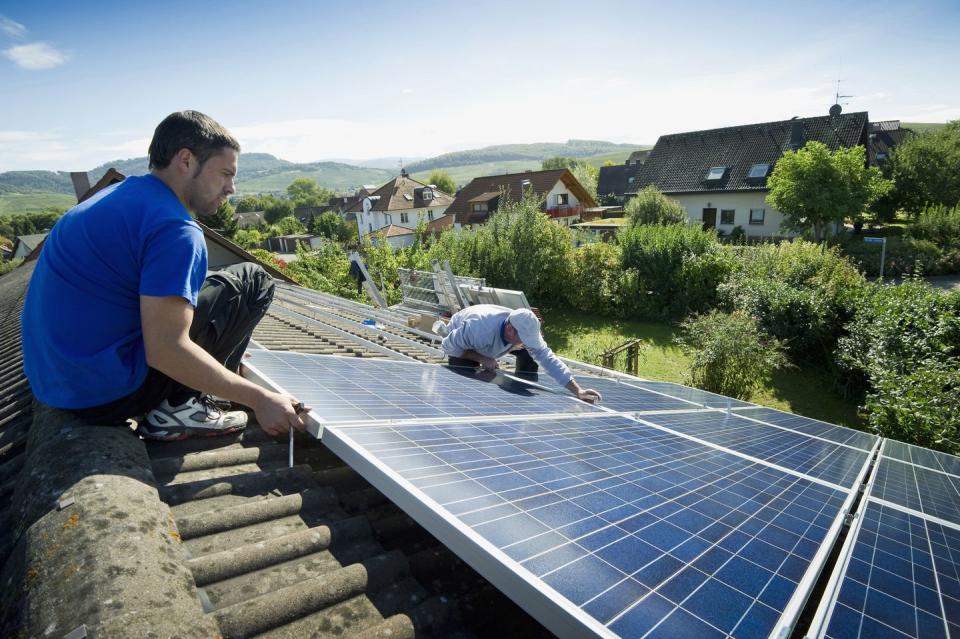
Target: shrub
pixel 904 256
pixel 730 354
pixel 9 265
pixel 518 248
pixel 670 271
pixel 650 206
pixel 903 349
pixel 324 269
pixel 801 293
pixel 595 285
pixel 938 224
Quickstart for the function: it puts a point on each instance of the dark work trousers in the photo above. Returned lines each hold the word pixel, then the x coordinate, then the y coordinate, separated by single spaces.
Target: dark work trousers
pixel 230 304
pixel 525 363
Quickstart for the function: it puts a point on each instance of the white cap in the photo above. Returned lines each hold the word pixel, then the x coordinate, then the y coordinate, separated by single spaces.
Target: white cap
pixel 528 328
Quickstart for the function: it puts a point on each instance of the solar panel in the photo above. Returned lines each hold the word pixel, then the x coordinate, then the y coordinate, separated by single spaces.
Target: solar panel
pixel 836 463
pixel 341 389
pixel 839 434
pixel 922 457
pixel 623 396
pixel 599 524
pixel 899 573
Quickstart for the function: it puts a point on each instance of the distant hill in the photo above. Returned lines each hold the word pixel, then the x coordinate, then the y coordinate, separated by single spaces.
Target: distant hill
pixel 514 152
pixel 923 127
pixel 25 191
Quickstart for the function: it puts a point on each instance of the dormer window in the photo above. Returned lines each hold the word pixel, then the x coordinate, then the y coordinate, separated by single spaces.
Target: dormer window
pixel 427 194
pixel 758 171
pixel 716 173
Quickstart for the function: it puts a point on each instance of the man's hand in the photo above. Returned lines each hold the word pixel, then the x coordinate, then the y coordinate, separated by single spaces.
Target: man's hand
pixel 585 394
pixel 589 395
pixel 489 363
pixel 277 414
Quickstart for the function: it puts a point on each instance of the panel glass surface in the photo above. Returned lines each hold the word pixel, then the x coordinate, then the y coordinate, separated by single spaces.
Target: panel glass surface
pixel 639 396
pixel 922 457
pixel 839 434
pixel 901 580
pixel 824 460
pixel 649 533
pixel 927 491
pixel 341 389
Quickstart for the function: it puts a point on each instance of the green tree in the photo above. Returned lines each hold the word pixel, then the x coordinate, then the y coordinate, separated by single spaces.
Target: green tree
pixel 813 187
pixel 926 169
pixel 558 162
pixel 306 192
pixel 442 180
pixel 730 353
pixel 330 225
pixel 276 209
pixel 650 206
pixel 587 175
pixel 286 226
pixel 248 238
pixel 222 220
pixel 248 203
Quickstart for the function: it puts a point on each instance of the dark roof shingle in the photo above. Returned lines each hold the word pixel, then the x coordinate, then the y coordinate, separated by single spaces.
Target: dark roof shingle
pixel 679 163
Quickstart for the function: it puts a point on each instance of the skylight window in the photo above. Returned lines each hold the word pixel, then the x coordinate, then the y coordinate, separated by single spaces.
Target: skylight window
pixel 716 172
pixel 759 171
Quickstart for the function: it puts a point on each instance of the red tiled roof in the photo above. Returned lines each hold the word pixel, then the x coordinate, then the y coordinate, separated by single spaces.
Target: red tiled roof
pixel 541 182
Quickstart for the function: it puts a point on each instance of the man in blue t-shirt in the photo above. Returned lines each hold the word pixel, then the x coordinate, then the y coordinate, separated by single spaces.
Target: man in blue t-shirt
pixel 121 319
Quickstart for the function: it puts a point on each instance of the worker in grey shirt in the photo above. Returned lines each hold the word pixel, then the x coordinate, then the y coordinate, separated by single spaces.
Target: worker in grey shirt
pixel 480 334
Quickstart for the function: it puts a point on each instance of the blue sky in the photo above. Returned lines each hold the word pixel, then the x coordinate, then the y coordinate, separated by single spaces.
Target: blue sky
pixel 86 83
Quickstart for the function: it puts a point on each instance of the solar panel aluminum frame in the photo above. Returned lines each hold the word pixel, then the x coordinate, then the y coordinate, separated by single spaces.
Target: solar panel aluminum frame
pixel 315 425
pixel 545 604
pixel 821 618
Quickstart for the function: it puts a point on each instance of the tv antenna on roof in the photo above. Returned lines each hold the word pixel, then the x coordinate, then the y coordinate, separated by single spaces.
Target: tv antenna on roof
pixel 838 97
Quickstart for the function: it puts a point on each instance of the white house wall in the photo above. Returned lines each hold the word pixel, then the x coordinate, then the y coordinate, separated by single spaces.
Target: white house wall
pixel 379 218
pixel 557 189
pixel 741 203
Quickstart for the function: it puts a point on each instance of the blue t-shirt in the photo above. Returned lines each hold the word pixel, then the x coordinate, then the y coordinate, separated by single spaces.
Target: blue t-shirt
pixel 82 337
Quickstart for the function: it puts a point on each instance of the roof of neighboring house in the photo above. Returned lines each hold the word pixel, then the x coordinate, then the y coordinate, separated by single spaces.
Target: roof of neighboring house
pixel 679 163
pixel 487 187
pixel 112 176
pixel 440 224
pixel 613 179
pixel 29 242
pixel 403 193
pixel 249 218
pixel 393 230
pixel 883 137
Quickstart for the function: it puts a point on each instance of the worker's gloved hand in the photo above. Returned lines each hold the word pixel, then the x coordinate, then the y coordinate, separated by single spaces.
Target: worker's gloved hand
pixel 589 395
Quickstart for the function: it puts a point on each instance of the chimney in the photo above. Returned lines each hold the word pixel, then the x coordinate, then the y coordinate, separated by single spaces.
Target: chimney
pixel 796 137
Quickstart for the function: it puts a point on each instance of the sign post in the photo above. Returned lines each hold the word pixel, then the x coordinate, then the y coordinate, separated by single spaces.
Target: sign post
pixel 882 241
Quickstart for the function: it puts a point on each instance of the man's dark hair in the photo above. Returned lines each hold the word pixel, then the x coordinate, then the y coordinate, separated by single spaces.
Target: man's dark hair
pixel 204 136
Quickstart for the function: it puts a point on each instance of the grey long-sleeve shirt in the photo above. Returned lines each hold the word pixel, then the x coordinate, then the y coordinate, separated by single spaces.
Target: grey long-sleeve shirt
pixel 480 328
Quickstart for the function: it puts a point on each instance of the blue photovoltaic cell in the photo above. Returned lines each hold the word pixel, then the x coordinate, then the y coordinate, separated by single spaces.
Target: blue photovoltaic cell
pixel 618 395
pixel 922 457
pixel 831 462
pixel 927 491
pixel 695 395
pixel 341 389
pixel 893 586
pixel 839 434
pixel 649 533
pixel 640 395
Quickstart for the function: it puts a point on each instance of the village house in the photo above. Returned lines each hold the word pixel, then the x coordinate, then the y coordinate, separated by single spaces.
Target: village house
pixel 720 175
pixel 565 199
pixel 402 202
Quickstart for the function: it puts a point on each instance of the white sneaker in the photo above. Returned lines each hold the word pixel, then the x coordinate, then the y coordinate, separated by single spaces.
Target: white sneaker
pixel 197 417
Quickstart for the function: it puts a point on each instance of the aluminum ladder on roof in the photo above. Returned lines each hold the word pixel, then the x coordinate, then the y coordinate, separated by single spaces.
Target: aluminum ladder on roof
pixel 447 287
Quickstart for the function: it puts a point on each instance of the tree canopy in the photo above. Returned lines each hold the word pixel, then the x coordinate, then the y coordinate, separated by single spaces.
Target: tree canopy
pixel 813 187
pixel 276 209
pixel 650 206
pixel 221 220
pixel 926 169
pixel 306 192
pixel 442 180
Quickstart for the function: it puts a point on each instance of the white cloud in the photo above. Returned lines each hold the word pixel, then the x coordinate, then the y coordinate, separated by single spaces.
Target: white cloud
pixel 407 91
pixel 12 28
pixel 35 56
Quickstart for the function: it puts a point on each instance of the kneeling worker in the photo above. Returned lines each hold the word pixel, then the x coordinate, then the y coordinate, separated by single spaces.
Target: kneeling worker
pixel 479 334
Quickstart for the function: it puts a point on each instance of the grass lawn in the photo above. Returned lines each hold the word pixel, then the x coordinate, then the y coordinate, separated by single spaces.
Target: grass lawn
pixel 584 337
pixel 35 202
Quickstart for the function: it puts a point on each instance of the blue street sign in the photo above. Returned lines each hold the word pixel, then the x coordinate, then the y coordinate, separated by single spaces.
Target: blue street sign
pixel 874 240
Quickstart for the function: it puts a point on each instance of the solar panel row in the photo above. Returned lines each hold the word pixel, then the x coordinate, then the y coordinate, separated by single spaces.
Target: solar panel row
pixel 900 576
pixel 688 520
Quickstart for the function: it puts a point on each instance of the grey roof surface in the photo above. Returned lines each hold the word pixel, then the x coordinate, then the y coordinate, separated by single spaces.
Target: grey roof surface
pixel 679 162
pixel 217 537
pixel 403 193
